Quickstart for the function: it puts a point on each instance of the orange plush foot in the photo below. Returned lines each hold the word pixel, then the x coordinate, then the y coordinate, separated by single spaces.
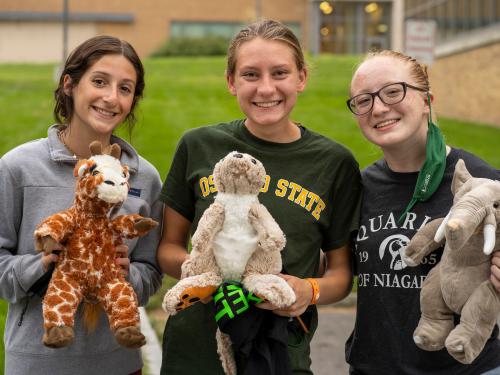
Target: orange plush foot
pixel 192 295
pixel 130 337
pixel 58 337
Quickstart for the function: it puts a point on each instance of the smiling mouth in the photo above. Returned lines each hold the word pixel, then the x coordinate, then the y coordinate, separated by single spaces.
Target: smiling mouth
pixel 267 104
pixel 385 123
pixel 103 112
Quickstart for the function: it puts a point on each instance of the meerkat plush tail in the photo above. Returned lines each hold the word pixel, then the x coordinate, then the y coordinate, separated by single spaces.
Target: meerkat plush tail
pixel 225 350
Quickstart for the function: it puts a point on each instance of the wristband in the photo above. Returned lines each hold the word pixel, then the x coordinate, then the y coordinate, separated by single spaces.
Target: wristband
pixel 315 288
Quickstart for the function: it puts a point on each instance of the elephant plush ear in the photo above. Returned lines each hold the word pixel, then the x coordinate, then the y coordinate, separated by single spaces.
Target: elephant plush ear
pixel 460 177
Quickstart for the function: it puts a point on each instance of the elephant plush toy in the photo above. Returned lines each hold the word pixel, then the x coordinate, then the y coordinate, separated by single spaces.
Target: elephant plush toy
pixel 460 284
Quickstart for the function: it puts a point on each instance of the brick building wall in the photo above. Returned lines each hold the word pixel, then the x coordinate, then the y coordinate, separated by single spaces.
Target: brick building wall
pixel 466 85
pixel 151 18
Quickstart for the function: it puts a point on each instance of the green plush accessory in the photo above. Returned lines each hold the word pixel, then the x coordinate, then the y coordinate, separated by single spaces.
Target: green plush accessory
pixel 231 300
pixel 432 172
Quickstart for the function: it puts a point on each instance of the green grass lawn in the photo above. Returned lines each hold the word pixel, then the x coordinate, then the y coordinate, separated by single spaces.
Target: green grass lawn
pixel 182 93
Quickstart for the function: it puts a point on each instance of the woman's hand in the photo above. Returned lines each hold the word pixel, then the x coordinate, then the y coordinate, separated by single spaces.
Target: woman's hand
pixel 495 270
pixel 334 285
pixel 48 259
pixel 303 293
pixel 51 249
pixel 122 258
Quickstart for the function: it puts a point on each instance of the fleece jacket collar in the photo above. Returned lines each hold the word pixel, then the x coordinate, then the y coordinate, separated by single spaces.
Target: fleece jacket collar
pixel 58 152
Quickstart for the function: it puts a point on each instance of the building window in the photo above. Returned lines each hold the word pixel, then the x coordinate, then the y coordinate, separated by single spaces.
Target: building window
pixel 196 29
pixel 354 27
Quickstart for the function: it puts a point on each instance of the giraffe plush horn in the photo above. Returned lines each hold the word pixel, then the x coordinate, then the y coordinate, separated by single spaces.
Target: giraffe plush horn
pixel 115 151
pixel 95 148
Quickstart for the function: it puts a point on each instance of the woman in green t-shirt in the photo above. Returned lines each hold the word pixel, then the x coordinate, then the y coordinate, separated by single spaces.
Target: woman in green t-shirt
pixel 312 190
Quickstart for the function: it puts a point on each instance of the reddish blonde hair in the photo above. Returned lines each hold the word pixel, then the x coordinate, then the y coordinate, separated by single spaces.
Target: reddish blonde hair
pixel 417 70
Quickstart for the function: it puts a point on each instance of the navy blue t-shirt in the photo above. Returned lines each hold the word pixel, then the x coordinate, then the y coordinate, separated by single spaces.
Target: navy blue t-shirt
pixel 388 308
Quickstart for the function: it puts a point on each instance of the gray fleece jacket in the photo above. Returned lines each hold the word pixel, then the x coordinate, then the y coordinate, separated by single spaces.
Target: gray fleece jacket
pixel 36 180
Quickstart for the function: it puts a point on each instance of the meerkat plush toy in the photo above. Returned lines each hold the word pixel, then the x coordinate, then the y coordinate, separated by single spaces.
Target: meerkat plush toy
pixel 236 240
pixel 86 269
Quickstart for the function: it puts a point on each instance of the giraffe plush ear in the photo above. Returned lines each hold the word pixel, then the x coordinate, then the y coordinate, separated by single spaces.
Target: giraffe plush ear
pixel 126 170
pixel 80 168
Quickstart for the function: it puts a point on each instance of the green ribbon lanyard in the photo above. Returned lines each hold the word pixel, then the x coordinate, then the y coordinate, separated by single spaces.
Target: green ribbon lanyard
pixel 431 174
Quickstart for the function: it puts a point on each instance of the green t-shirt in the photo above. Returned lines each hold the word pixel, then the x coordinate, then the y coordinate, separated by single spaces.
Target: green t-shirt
pixel 312 190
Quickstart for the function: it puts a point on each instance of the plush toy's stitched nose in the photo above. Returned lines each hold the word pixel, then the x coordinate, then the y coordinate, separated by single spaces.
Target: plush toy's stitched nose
pixel 239 156
pixel 109 182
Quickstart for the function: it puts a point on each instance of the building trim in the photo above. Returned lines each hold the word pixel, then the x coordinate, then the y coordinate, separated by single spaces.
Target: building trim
pixel 73 17
pixel 470 40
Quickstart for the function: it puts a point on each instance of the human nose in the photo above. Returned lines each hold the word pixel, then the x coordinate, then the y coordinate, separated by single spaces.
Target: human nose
pixel 266 85
pixel 378 105
pixel 111 94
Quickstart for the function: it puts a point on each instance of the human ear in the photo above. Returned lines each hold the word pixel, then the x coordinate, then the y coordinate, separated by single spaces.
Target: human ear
pixel 429 98
pixel 230 84
pixel 301 85
pixel 67 85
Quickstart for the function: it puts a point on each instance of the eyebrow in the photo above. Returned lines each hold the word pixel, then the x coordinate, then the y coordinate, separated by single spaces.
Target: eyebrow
pixel 383 85
pixel 280 66
pixel 109 75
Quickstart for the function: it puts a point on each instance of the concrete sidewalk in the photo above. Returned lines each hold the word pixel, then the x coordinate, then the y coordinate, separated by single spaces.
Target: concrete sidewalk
pixel 327 347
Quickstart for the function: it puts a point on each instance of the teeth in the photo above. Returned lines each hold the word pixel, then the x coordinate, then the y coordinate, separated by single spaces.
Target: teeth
pixel 104 112
pixel 267 104
pixel 385 123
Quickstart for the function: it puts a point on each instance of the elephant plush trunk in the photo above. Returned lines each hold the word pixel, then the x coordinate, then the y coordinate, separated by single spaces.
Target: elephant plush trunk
pixel 463 221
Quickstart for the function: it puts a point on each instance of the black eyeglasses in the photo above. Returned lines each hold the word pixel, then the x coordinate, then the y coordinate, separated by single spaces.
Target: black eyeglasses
pixel 390 94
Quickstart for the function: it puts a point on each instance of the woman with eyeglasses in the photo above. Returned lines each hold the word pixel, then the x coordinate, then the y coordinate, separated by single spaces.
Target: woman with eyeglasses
pixel 407 188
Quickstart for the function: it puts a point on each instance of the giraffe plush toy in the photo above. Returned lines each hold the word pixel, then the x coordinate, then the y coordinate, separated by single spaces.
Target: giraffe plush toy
pixel 86 269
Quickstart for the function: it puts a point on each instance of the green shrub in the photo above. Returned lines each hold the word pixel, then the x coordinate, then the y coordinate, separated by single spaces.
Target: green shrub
pixel 3 316
pixel 184 46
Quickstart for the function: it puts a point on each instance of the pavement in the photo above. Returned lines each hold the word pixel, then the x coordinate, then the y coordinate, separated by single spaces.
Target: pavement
pixel 327 346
